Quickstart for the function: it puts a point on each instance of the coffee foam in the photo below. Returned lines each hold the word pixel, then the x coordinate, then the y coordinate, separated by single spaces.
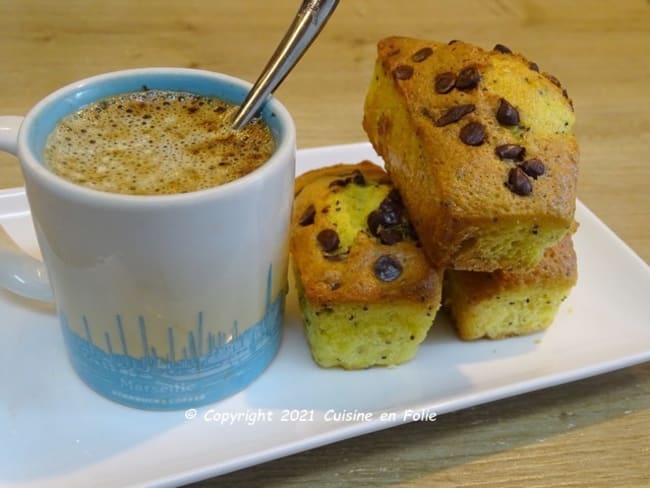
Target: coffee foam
pixel 156 142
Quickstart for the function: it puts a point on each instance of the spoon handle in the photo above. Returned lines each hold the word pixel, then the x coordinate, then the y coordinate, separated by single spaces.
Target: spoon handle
pixel 309 21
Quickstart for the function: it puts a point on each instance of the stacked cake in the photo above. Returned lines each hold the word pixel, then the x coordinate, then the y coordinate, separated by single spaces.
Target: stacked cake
pixel 480 148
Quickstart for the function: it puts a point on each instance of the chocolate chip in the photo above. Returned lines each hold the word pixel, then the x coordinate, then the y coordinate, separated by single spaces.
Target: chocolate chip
pixel 533 167
pixel 533 66
pixel 454 114
pixel 390 236
pixel 389 214
pixel 518 182
pixel 403 72
pixel 358 178
pixel 307 217
pixel 422 54
pixel 411 232
pixel 473 134
pixel 502 49
pixel 339 182
pixel 394 196
pixel 507 114
pixel 453 41
pixel 468 78
pixel 510 151
pixel 328 240
pixel 445 82
pixel 390 211
pixel 387 268
pixel 374 220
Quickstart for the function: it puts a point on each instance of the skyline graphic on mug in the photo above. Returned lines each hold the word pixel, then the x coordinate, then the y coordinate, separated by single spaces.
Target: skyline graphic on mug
pixel 205 368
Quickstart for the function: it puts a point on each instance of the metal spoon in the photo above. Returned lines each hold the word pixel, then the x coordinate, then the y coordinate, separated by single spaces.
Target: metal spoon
pixel 310 19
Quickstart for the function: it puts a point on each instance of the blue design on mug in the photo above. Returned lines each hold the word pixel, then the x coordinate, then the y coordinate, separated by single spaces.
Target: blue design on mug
pixel 195 371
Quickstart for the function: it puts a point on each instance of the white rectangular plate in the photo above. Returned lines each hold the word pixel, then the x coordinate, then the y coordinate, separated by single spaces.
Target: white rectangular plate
pixel 56 432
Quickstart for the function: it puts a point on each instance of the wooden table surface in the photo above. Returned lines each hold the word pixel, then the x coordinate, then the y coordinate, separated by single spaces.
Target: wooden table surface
pixel 589 433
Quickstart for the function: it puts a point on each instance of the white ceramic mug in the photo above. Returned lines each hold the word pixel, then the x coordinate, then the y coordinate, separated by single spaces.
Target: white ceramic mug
pixel 169 301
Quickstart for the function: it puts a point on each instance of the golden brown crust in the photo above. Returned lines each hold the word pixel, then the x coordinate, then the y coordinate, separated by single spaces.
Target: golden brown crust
pixel 461 170
pixel 340 170
pixel 454 190
pixel 558 267
pixel 347 275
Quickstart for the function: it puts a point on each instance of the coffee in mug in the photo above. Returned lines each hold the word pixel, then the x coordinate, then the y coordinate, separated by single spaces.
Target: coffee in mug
pixel 156 142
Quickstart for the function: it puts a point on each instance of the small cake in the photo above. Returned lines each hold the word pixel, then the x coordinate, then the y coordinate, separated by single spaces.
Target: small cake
pixel 481 146
pixel 367 293
pixel 503 304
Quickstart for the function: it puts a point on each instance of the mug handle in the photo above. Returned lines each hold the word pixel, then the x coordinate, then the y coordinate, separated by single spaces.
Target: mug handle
pixel 20 273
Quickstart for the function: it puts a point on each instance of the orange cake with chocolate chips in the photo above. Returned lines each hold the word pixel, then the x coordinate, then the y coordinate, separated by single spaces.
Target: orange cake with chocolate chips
pixel 367 293
pixel 503 304
pixel 481 146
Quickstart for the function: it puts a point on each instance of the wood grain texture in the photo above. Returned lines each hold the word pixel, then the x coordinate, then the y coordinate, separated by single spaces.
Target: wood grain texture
pixel 591 433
